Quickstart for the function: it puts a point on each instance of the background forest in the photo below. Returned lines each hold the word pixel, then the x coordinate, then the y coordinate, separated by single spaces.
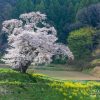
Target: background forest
pixel 77 23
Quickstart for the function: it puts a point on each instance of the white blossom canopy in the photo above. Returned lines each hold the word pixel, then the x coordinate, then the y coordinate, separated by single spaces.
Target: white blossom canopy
pixel 31 39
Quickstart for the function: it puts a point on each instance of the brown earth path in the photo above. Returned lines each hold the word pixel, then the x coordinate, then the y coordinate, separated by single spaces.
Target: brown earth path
pixel 63 75
pixel 68 75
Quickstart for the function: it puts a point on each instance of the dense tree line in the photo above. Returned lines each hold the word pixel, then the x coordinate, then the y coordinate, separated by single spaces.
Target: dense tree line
pixel 67 16
pixel 60 13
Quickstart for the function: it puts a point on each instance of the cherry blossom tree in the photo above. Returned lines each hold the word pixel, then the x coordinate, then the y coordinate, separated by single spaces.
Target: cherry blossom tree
pixel 31 39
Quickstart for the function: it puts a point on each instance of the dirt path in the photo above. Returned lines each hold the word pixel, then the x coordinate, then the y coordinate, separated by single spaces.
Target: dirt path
pixel 64 75
pixel 68 75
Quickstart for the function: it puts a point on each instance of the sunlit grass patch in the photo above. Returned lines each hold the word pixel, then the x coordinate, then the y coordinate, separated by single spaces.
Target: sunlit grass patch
pixel 35 86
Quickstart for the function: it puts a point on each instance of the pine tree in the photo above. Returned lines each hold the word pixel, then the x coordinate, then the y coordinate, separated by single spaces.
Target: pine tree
pixel 23 6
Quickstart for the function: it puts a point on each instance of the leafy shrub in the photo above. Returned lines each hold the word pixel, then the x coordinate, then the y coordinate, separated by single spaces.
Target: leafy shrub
pixel 81 42
pixel 59 60
pixel 95 62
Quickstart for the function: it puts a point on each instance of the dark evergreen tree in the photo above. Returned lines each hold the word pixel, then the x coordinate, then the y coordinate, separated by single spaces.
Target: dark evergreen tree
pixel 22 6
pixel 90 15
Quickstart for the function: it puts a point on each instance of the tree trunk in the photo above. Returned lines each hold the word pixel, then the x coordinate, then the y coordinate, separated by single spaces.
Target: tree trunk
pixel 23 69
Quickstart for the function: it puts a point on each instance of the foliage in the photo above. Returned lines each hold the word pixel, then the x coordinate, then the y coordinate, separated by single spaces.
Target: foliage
pixel 96 57
pixel 81 42
pixel 59 60
pixel 23 6
pixel 86 3
pixel 61 13
pixel 95 62
pixel 90 15
pixel 31 39
pixel 57 11
pixel 96 52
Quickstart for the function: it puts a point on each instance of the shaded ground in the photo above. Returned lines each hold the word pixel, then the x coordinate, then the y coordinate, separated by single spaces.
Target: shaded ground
pixel 68 75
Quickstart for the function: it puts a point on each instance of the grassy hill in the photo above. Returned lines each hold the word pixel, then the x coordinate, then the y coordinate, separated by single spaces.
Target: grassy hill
pixel 17 86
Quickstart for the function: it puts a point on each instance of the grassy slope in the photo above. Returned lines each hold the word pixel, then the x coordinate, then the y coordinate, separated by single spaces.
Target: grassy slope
pixel 17 86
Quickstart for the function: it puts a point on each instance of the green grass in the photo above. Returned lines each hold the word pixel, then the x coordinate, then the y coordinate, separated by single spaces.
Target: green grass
pixel 17 86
